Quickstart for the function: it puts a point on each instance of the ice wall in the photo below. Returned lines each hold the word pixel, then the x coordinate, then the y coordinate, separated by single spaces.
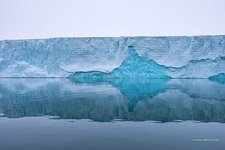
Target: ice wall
pixel 181 57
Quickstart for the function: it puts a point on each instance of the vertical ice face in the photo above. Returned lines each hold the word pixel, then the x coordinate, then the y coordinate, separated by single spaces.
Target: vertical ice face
pixel 133 66
pixel 219 78
pixel 1 54
pixel 179 57
pixel 178 51
pixel 59 57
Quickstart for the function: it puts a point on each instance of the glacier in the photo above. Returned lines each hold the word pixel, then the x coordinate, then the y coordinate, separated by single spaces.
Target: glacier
pixel 114 57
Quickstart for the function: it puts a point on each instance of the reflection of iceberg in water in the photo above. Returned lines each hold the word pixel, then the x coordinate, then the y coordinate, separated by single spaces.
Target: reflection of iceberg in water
pixel 175 105
pixel 135 90
pixel 199 88
pixel 133 100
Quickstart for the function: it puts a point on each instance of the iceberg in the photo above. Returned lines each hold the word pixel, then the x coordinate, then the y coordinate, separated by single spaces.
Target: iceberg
pixel 114 57
pixel 219 78
pixel 132 67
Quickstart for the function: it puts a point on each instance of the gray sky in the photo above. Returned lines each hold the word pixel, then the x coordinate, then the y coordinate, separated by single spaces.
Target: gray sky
pixel 25 19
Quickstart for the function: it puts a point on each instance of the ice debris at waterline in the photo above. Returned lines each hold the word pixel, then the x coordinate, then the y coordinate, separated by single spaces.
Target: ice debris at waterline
pixel 176 57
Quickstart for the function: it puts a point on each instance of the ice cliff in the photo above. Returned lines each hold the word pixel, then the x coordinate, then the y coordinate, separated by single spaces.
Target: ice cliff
pixel 119 57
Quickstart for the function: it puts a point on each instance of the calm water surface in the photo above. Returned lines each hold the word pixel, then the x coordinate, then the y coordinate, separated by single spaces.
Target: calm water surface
pixel 61 114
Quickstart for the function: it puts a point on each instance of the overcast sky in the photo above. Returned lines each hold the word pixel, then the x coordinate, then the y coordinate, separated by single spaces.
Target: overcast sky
pixel 25 19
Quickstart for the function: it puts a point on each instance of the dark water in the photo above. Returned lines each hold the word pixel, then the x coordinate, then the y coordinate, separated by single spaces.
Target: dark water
pixel 119 114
